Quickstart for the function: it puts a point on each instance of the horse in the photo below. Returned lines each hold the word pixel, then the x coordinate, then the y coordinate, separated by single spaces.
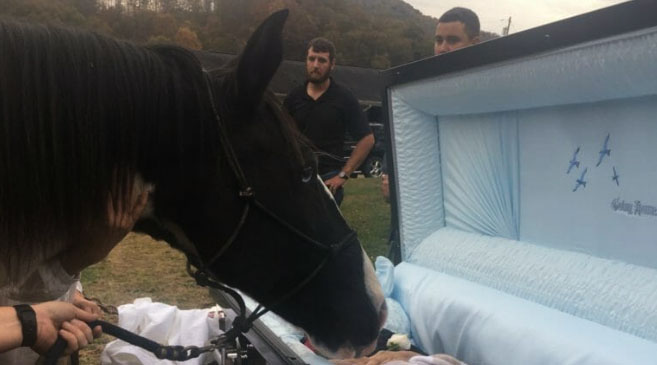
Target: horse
pixel 84 117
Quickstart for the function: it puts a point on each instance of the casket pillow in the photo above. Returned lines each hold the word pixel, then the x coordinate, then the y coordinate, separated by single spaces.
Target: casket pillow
pixel 398 321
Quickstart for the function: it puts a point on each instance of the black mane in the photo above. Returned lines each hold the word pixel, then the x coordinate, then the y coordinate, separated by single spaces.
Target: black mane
pixel 79 111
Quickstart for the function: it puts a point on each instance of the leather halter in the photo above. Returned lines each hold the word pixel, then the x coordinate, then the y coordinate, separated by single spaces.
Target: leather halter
pixel 203 277
pixel 247 194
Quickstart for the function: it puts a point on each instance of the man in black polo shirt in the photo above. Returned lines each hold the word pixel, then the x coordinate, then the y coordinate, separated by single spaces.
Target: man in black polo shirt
pixel 324 111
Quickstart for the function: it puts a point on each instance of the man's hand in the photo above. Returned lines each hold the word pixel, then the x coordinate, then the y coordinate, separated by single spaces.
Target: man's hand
pixel 380 357
pixel 334 183
pixel 60 318
pixel 86 305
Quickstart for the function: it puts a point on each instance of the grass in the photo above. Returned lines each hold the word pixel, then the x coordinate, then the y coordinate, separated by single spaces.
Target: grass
pixel 141 267
pixel 367 212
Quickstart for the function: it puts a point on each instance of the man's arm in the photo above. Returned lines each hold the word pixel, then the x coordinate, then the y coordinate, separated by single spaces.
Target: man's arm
pixel 357 125
pixel 52 319
pixel 11 334
pixel 358 155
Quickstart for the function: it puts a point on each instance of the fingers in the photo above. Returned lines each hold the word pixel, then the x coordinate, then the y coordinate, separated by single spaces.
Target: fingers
pixel 77 335
pixel 86 305
pixel 97 331
pixel 334 183
pixel 71 342
pixel 89 307
pixel 92 308
pixel 85 315
pixel 81 331
pixel 332 188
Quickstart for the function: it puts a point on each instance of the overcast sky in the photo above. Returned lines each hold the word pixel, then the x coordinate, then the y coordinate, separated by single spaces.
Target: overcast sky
pixel 525 14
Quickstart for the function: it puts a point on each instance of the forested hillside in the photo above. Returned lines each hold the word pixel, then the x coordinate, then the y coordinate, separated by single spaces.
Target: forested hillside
pixel 367 33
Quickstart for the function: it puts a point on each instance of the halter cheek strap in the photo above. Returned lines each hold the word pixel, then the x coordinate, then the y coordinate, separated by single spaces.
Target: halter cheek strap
pixel 202 275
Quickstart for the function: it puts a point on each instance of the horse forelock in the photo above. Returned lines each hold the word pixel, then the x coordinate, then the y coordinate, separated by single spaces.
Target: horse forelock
pixel 80 115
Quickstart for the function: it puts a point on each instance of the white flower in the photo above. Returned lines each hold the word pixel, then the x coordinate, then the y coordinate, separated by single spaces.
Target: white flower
pixel 398 341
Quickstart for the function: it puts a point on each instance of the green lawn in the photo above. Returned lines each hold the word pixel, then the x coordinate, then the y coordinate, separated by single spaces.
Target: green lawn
pixel 368 213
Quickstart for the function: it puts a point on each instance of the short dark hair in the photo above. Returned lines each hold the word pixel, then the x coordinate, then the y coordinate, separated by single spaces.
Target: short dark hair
pixel 320 44
pixel 465 16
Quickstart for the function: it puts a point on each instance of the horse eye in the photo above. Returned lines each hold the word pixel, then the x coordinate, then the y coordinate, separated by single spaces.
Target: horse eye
pixel 308 173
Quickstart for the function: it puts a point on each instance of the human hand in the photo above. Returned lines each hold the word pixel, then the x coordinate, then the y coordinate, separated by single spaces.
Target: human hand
pixel 380 357
pixel 334 183
pixel 64 319
pixel 86 305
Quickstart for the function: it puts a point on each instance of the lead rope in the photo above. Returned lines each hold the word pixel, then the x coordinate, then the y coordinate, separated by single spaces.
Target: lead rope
pixel 174 353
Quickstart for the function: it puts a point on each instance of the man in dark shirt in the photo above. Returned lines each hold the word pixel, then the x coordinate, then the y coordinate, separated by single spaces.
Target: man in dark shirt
pixel 324 110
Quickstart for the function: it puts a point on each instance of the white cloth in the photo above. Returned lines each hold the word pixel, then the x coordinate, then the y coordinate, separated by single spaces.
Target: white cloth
pixel 45 283
pixel 164 324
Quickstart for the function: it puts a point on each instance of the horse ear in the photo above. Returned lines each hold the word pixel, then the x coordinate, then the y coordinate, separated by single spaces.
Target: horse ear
pixel 260 59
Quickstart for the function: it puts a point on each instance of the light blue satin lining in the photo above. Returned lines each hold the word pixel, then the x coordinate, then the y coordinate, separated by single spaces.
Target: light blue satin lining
pixel 613 293
pixel 480 173
pixel 480 325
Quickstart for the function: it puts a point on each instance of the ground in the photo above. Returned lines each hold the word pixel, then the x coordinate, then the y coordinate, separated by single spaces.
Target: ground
pixel 141 267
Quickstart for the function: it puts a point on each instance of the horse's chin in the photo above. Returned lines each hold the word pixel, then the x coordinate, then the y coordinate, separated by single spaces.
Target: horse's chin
pixel 375 294
pixel 344 352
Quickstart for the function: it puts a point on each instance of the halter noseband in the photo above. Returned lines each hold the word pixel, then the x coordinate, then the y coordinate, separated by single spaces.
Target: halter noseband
pixel 204 278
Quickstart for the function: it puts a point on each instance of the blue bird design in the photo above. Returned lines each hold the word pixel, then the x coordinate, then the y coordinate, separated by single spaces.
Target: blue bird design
pixel 581 181
pixel 604 151
pixel 574 161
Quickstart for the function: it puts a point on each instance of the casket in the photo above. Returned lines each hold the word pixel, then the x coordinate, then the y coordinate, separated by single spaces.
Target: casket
pixel 523 181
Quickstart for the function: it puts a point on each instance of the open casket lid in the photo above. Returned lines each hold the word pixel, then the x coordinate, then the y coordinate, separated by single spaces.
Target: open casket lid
pixel 481 142
pixel 607 54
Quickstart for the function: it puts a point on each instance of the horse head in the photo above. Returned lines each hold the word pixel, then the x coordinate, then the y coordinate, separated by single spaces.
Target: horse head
pixel 235 187
pixel 257 217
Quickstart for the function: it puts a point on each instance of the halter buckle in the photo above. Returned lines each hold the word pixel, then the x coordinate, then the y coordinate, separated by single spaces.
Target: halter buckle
pixel 334 249
pixel 247 192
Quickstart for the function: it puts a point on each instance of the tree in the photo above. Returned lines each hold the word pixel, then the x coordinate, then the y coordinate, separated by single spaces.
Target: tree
pixel 380 34
pixel 86 7
pixel 187 38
